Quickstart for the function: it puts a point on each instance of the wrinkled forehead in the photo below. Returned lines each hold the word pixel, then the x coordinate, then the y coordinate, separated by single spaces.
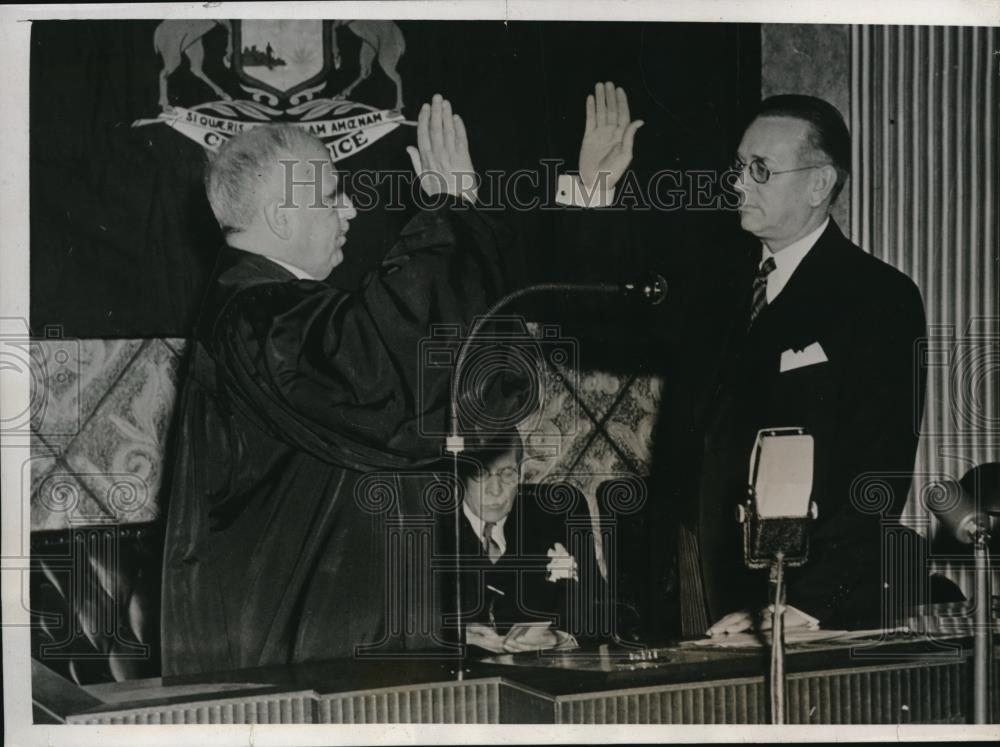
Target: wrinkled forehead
pixel 305 167
pixel 774 139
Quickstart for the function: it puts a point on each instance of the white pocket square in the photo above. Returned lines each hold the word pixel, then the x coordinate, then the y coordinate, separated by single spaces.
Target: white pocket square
pixel 808 356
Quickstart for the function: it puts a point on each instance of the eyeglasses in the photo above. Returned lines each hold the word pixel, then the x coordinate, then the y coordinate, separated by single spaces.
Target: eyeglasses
pixel 508 475
pixel 761 173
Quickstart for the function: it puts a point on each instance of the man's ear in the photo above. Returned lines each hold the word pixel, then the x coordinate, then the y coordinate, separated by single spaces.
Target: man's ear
pixel 277 220
pixel 823 182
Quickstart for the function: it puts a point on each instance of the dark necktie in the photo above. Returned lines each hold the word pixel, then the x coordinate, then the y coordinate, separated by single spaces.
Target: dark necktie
pixel 490 546
pixel 760 289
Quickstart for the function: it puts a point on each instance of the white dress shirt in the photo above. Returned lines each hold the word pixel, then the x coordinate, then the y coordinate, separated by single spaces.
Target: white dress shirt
pixel 478 525
pixel 788 259
pixel 570 191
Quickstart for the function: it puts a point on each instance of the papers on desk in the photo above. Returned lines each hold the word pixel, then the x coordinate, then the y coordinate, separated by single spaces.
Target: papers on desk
pixel 528 636
pixel 793 636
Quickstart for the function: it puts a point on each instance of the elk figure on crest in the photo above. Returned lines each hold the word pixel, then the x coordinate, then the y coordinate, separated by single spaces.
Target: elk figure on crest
pixel 379 39
pixel 174 39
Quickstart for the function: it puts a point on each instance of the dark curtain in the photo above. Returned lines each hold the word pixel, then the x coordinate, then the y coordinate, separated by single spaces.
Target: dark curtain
pixel 122 239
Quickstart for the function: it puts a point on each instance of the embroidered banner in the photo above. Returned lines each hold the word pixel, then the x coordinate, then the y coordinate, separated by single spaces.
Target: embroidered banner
pixel 211 124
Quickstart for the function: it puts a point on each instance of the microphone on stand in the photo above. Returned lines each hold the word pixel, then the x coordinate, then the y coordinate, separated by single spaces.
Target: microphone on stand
pixel 970 515
pixel 650 287
pixel 775 523
pixel 961 514
pixel 777 511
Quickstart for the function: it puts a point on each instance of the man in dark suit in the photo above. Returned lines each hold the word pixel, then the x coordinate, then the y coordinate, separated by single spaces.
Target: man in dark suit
pixel 528 564
pixel 820 335
pixel 803 329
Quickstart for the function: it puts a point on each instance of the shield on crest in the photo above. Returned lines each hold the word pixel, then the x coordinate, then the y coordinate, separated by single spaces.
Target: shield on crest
pixel 286 59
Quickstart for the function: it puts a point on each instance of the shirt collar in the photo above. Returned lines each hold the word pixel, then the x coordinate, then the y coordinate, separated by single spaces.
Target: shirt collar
pixel 296 271
pixel 478 525
pixel 788 259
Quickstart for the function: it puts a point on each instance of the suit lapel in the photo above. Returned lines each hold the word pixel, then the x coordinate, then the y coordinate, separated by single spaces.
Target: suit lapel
pixel 796 316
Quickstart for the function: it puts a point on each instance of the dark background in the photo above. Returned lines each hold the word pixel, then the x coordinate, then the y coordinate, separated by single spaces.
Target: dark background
pixel 122 239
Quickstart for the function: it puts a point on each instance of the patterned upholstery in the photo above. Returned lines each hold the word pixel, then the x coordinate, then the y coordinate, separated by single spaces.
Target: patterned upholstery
pixel 100 414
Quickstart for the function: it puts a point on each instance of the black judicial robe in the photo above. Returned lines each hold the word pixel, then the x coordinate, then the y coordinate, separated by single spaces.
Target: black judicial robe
pixel 295 391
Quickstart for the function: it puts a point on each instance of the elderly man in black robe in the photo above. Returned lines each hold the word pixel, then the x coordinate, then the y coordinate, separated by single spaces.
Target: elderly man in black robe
pixel 296 390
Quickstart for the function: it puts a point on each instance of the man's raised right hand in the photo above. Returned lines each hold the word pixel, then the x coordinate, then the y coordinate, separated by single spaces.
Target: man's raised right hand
pixel 441 158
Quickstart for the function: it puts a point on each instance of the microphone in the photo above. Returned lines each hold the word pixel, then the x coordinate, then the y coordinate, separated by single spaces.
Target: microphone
pixel 651 288
pixel 966 509
pixel 778 508
pixel 959 512
pixel 775 528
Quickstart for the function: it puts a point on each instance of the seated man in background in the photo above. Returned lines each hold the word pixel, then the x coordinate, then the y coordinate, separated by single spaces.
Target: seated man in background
pixel 527 558
pixel 296 389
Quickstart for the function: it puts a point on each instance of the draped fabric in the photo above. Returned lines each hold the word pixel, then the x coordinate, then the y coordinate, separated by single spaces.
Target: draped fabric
pixel 274 553
pixel 923 198
pixel 122 238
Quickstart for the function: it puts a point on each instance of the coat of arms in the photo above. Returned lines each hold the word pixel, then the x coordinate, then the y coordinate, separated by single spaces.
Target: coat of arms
pixel 282 68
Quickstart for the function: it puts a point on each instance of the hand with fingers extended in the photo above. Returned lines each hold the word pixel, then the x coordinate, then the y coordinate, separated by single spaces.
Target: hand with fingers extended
pixel 606 150
pixel 744 620
pixel 529 637
pixel 441 158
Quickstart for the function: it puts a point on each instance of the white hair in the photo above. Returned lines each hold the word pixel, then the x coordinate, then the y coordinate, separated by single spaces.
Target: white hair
pixel 246 161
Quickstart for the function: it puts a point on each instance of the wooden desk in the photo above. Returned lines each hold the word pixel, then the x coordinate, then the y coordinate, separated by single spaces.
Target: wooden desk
pixel 896 681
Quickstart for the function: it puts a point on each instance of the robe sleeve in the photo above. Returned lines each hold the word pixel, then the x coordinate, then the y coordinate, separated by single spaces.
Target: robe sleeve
pixel 346 376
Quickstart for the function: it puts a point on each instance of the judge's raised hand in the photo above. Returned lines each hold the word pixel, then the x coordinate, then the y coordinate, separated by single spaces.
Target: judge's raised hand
pixel 441 158
pixel 606 150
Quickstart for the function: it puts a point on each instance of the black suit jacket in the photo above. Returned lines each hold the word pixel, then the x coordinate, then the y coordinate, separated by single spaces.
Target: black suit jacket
pixel 521 587
pixel 863 407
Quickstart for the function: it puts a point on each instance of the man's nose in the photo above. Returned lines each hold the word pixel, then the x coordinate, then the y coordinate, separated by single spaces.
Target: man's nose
pixel 744 183
pixel 348 212
pixel 494 487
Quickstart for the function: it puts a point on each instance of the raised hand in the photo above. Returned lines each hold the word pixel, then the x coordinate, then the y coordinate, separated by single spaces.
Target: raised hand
pixel 606 150
pixel 441 157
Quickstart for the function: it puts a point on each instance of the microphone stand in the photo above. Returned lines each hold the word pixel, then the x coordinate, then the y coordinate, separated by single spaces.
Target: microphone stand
pixel 777 579
pixel 968 518
pixel 777 542
pixel 652 290
pixel 455 441
pixel 982 629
